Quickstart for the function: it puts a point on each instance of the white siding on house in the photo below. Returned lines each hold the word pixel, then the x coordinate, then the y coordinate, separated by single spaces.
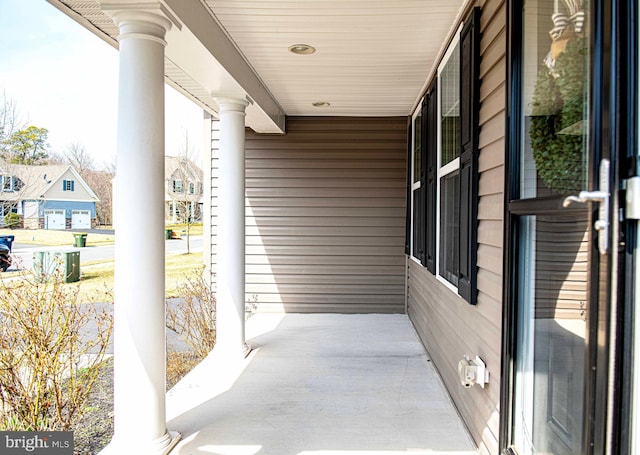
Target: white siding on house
pixel 30 209
pixel 30 216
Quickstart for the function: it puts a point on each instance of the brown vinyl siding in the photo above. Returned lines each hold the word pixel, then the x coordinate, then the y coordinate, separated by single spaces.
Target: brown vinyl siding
pixel 448 325
pixel 325 215
pixel 562 267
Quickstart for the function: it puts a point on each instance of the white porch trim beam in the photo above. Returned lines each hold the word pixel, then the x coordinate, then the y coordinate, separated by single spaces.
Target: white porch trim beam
pixel 204 56
pixel 139 309
pixel 230 289
pixel 264 114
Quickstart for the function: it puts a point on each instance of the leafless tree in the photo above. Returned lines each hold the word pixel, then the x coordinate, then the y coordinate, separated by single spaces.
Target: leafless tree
pixel 77 156
pixel 101 184
pixel 11 121
pixel 100 181
pixel 56 157
pixel 184 188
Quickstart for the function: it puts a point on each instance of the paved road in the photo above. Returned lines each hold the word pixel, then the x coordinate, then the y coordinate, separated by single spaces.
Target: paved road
pixel 23 254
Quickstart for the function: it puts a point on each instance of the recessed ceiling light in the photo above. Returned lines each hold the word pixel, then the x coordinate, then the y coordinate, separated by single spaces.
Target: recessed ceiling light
pixel 302 49
pixel 321 104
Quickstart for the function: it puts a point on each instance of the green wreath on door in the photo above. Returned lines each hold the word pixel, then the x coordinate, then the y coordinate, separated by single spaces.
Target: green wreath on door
pixel 557 130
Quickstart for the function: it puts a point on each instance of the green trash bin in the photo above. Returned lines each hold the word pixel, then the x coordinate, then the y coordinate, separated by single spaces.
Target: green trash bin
pixel 168 233
pixel 47 263
pixel 81 239
pixel 71 264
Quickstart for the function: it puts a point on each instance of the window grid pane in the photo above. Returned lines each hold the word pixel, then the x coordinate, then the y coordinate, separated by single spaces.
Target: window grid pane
pixel 417 149
pixel 450 226
pixel 417 247
pixel 450 108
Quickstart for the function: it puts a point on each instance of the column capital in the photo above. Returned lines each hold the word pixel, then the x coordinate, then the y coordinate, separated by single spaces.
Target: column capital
pixel 231 104
pixel 148 20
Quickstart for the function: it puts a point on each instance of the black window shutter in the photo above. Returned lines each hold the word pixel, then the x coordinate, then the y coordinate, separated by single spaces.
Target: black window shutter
pixel 430 146
pixel 407 231
pixel 469 134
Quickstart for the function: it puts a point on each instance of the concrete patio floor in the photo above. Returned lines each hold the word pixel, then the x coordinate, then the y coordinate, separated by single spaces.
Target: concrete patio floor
pixel 319 384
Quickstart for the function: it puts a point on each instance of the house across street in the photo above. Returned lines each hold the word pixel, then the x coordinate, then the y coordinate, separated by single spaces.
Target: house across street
pixel 47 196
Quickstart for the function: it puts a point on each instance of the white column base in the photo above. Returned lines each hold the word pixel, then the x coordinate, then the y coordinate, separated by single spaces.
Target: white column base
pixel 160 446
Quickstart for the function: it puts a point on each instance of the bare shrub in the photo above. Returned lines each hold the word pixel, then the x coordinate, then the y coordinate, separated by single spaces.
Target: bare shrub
pixel 193 316
pixel 178 365
pixel 49 360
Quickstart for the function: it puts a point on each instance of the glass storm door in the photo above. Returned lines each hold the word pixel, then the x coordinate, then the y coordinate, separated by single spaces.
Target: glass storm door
pixel 554 246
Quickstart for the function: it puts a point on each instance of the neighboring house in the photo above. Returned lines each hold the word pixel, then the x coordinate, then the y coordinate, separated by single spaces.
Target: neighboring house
pixel 471 163
pixel 183 195
pixel 48 196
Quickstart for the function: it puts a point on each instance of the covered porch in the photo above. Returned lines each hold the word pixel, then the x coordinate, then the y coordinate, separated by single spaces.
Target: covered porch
pixel 312 165
pixel 319 384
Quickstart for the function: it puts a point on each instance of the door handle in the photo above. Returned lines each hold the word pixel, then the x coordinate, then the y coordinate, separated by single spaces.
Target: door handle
pixel 602 197
pixel 585 196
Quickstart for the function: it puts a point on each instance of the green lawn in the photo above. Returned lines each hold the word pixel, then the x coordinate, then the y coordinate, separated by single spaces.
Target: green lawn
pixel 96 282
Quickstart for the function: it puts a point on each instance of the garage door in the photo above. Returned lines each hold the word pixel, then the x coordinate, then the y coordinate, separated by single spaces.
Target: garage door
pixel 80 219
pixel 54 219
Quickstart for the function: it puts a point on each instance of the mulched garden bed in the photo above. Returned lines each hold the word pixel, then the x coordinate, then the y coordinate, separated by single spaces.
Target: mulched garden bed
pixel 93 431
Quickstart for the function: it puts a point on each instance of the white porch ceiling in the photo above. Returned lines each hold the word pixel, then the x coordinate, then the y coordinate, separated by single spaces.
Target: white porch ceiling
pixel 373 57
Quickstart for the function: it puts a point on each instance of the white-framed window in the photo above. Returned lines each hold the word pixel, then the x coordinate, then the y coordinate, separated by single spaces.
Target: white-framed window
pixel 177 186
pixel 448 167
pixel 192 188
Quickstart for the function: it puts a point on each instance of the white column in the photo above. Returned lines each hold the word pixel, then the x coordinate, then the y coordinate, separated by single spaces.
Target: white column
pixel 139 302
pixel 230 293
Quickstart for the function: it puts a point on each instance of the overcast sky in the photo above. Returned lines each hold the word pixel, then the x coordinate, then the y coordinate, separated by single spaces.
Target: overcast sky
pixel 64 78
